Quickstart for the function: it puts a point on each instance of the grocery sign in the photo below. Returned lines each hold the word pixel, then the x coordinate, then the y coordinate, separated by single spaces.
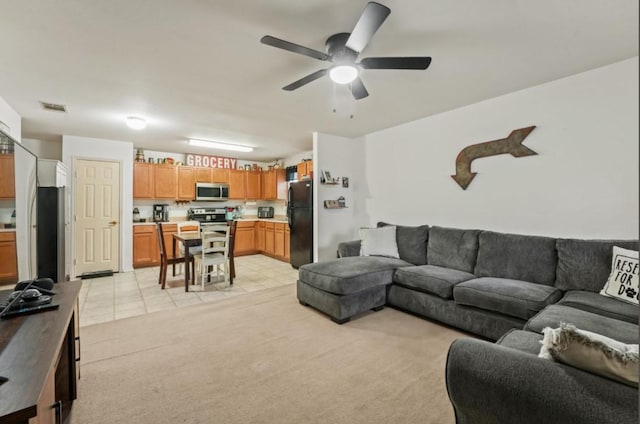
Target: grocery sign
pixel 208 161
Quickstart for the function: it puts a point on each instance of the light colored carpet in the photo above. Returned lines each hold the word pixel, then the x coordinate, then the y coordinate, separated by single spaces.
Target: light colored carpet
pixel 263 358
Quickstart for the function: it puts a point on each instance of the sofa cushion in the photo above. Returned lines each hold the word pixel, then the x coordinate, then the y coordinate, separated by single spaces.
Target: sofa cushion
pixel 412 242
pixel 453 248
pixel 623 283
pixel 350 275
pixel 586 264
pixel 517 257
pixel 524 341
pixel 510 297
pixel 592 352
pixel 554 315
pixel 601 305
pixel 379 242
pixel 431 279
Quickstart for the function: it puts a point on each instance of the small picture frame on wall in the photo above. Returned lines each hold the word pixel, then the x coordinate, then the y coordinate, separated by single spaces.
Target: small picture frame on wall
pixel 345 182
pixel 326 176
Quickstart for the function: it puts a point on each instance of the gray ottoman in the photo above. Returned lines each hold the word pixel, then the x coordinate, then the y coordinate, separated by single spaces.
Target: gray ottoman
pixel 345 287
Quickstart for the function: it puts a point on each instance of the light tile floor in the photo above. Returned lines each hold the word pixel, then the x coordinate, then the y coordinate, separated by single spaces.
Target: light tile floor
pixel 136 293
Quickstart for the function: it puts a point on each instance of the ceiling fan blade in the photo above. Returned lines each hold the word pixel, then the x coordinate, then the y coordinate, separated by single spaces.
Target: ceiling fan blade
pixel 372 17
pixel 358 90
pixel 306 80
pixel 295 48
pixel 395 62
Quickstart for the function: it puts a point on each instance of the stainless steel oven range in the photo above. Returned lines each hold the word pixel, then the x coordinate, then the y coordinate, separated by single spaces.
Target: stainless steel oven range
pixel 207 215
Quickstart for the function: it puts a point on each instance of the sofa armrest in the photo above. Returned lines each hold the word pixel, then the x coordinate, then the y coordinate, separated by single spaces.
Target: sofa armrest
pixel 349 248
pixel 493 384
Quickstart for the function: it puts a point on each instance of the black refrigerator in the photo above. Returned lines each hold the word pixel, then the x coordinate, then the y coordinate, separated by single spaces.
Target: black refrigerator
pixel 51 233
pixel 300 217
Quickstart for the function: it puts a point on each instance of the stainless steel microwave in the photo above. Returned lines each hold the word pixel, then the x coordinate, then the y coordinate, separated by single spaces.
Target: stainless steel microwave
pixel 212 192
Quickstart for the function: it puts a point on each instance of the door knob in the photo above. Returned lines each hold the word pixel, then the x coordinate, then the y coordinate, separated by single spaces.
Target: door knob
pixel 113 222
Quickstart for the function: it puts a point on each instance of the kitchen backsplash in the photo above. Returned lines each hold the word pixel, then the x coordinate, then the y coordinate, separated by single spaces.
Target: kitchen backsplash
pixel 179 211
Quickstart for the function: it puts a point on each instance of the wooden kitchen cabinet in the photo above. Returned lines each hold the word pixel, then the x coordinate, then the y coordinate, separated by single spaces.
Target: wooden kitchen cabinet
pixel 269 238
pixel 274 185
pixel 7 177
pixel 143 180
pixel 219 175
pixel 260 240
pixel 279 239
pixel 186 183
pixel 305 169
pixel 8 257
pixel 146 250
pixel 287 243
pixel 253 185
pixel 203 175
pixel 165 179
pixel 244 243
pixel 237 183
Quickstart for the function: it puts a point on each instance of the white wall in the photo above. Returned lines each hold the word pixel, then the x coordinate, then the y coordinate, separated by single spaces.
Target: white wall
pixel 583 182
pixel 44 149
pixel 11 118
pixel 99 149
pixel 342 157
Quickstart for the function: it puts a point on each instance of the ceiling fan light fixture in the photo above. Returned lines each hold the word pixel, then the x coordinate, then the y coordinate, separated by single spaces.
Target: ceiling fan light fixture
pixel 136 123
pixel 343 74
pixel 219 145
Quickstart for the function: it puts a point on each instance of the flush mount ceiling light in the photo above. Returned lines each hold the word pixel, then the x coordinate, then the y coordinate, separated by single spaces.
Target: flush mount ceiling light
pixel 136 123
pixel 343 74
pixel 219 145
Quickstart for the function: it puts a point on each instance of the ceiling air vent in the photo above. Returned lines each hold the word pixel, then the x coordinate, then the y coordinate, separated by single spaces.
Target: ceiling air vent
pixel 54 107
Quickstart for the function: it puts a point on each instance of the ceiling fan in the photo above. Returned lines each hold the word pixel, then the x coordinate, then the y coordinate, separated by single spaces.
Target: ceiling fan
pixel 343 49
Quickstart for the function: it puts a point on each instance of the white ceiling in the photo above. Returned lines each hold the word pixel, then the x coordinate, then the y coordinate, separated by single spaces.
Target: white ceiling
pixel 196 68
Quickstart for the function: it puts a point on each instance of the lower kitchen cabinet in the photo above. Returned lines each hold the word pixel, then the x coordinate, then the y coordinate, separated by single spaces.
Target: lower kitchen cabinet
pixel 269 238
pixel 287 243
pixel 260 236
pixel 279 240
pixel 146 251
pixel 244 243
pixel 8 258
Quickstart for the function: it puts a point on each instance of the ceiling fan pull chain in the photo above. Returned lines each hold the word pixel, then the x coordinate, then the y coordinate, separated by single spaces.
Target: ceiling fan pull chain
pixel 333 98
pixel 352 103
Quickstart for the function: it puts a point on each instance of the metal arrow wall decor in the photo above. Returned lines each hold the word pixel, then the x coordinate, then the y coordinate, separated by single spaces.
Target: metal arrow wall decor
pixel 512 144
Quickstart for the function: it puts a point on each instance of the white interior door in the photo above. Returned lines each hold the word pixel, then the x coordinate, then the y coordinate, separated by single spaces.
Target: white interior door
pixel 97 193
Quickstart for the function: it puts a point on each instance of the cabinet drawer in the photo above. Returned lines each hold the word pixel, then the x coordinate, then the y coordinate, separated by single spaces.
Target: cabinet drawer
pixel 8 236
pixel 143 229
pixel 245 224
pixel 269 225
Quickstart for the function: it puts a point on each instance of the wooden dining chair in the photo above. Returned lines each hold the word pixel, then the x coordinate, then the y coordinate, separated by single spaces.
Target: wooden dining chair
pixel 232 238
pixel 214 253
pixel 166 260
pixel 188 227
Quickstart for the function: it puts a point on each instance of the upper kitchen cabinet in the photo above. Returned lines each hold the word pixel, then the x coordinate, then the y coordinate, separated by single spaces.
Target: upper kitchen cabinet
pixel 274 185
pixel 186 183
pixel 219 175
pixel 305 169
pixel 7 176
pixel 203 175
pixel 237 184
pixel 143 180
pixel 253 185
pixel 165 177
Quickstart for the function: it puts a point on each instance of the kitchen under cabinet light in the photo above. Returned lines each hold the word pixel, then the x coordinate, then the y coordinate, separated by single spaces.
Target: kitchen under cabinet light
pixel 219 145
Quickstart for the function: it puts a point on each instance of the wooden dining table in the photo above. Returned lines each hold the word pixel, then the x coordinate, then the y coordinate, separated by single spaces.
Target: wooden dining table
pixel 191 239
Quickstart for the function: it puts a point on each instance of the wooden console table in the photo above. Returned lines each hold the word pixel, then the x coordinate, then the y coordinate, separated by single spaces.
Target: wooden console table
pixel 38 355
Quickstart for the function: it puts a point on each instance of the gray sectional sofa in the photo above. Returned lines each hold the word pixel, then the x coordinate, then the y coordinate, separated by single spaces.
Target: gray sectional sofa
pixel 504 287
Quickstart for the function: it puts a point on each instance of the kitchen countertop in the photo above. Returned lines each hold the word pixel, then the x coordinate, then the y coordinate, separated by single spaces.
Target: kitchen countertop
pixel 7 230
pixel 276 218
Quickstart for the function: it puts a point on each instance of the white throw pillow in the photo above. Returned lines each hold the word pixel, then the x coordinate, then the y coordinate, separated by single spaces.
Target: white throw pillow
pixel 379 242
pixel 623 280
pixel 591 352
